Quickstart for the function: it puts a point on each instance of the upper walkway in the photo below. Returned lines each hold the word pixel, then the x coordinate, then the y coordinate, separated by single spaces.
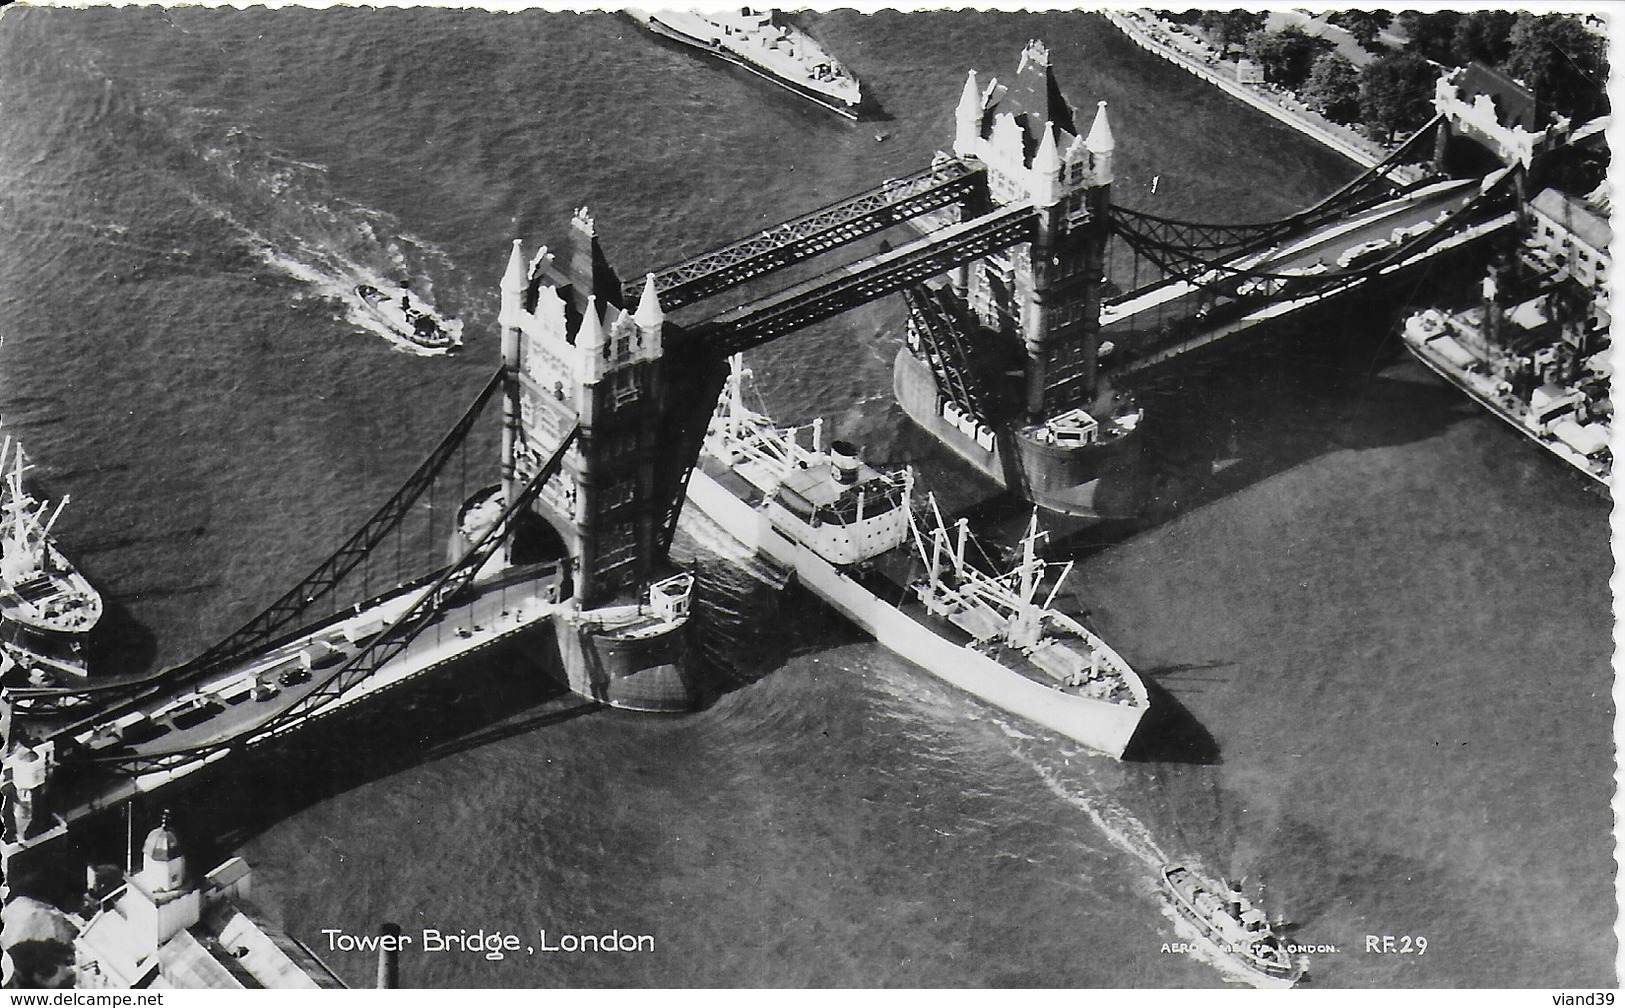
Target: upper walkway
pixel 892 202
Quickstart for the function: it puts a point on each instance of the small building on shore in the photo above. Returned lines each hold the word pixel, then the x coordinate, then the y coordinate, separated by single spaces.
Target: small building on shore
pixel 163 929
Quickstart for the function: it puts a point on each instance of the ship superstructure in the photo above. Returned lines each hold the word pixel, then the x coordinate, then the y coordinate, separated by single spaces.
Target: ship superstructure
pixel 47 608
pixel 1534 348
pixel 1001 613
pixel 851 534
pixel 411 324
pixel 1001 362
pixel 758 40
pixel 1232 926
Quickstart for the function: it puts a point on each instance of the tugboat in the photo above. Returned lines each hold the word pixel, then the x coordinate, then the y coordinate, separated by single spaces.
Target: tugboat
pixel 47 608
pixel 850 533
pixel 1232 925
pixel 750 38
pixel 416 326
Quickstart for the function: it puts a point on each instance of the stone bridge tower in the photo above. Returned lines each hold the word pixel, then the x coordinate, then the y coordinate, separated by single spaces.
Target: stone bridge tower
pixel 1003 366
pixel 574 355
pixel 1046 292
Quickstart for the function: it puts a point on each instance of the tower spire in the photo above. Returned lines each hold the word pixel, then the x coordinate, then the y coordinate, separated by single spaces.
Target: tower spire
pixel 649 314
pixel 1100 140
pixel 513 279
pixel 1100 144
pixel 968 116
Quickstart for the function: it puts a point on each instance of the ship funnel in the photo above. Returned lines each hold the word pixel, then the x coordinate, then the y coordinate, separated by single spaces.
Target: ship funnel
pixel 844 456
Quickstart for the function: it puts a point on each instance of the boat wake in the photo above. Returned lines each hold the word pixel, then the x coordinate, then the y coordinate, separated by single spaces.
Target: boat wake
pixel 282 212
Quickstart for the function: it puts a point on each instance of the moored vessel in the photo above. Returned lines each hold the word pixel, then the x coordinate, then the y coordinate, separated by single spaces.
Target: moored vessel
pixel 851 534
pixel 1232 926
pixel 1555 394
pixel 47 608
pixel 754 39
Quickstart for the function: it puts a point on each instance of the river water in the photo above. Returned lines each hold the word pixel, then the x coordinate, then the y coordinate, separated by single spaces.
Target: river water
pixel 1378 626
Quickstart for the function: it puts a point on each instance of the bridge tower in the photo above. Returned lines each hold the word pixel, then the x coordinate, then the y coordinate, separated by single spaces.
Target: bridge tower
pixel 574 356
pixel 1031 311
pixel 1046 291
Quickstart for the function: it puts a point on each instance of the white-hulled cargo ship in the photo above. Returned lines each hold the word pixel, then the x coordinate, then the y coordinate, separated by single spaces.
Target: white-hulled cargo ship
pixel 750 38
pixel 47 608
pixel 851 536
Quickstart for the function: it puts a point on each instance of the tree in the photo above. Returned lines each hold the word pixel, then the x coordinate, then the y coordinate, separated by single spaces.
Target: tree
pixel 1483 36
pixel 1333 88
pixel 1365 26
pixel 1561 61
pixel 1230 28
pixel 1395 92
pixel 1431 35
pixel 1287 55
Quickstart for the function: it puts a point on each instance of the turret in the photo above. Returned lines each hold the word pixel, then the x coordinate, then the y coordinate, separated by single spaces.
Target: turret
pixel 163 863
pixel 1100 144
pixel 1046 169
pixel 589 271
pixel 968 117
pixel 590 342
pixel 650 318
pixel 514 279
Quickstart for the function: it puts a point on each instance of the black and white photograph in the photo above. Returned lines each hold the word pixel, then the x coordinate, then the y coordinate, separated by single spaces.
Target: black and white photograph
pixel 495 497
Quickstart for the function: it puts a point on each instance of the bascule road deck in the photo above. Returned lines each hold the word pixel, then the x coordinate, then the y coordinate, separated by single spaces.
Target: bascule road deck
pixel 247 702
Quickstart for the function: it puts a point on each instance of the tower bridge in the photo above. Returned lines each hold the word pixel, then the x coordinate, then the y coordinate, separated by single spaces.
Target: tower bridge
pixel 1015 358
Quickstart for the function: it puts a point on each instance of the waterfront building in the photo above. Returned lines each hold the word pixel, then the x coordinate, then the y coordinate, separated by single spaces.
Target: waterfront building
pixel 160 928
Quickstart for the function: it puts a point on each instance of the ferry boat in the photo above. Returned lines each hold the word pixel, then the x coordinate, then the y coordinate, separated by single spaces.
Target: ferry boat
pixel 850 533
pixel 1232 926
pixel 417 327
pixel 47 608
pixel 750 38
pixel 1556 394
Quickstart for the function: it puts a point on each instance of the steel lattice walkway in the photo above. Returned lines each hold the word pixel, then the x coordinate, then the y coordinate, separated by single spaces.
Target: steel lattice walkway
pixel 894 201
pixel 875 277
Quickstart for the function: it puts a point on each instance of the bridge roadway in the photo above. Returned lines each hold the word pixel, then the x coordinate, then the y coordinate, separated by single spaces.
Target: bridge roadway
pixel 892 202
pixel 1130 318
pixel 1281 306
pixel 230 710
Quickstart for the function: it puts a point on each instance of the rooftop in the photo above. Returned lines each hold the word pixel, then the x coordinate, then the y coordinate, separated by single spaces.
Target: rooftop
pixel 1576 216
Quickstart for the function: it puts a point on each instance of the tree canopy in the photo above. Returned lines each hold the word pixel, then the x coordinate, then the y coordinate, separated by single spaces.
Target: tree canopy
pixel 1333 88
pixel 1395 92
pixel 1365 26
pixel 1566 65
pixel 1230 28
pixel 1286 56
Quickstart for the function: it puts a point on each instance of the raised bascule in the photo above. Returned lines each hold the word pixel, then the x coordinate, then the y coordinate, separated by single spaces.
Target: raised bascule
pixel 1019 356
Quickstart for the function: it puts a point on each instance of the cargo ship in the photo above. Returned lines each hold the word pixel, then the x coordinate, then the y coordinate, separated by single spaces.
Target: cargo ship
pixel 47 608
pixel 752 39
pixel 1554 394
pixel 851 534
pixel 1231 926
pixel 418 327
